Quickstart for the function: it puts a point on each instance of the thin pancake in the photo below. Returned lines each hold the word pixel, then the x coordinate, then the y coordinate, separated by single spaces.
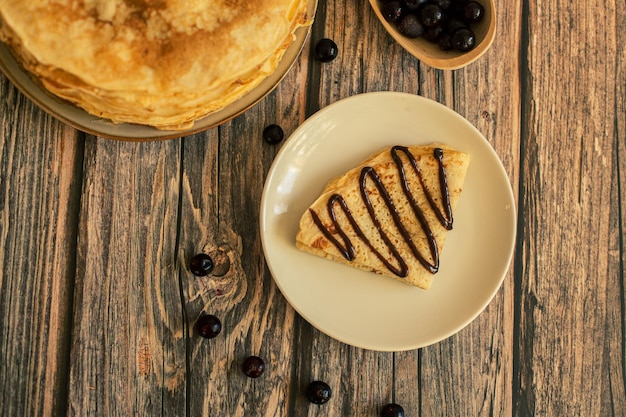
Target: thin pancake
pixel 158 62
pixel 402 232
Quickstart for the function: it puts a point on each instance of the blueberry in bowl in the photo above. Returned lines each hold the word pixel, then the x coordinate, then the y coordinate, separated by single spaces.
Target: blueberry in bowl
pixel 444 34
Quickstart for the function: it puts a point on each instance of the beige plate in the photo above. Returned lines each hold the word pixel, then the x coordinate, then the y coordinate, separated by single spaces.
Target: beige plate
pixel 84 121
pixel 361 308
pixel 431 55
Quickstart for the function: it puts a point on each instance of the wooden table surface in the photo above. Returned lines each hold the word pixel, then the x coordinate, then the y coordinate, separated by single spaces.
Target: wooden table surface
pixel 97 304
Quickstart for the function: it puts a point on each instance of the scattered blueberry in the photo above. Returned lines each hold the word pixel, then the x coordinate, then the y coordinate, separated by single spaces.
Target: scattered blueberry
pixel 253 366
pixel 392 410
pixel 273 134
pixel 208 326
pixel 318 392
pixel 326 50
pixel 201 265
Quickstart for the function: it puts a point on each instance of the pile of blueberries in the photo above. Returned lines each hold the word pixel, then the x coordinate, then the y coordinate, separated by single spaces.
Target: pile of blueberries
pixel 447 23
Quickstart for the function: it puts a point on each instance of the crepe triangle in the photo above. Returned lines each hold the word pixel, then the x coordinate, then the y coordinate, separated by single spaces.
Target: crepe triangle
pixel 390 214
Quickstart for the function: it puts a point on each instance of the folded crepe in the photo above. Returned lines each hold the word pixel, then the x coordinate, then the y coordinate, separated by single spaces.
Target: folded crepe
pixel 163 63
pixel 390 214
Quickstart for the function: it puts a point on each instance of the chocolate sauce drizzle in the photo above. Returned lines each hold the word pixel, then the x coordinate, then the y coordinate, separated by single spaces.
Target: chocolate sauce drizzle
pixel 444 216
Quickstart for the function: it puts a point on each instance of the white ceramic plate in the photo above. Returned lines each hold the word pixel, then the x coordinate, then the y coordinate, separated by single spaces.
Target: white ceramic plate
pixel 360 308
pixel 78 118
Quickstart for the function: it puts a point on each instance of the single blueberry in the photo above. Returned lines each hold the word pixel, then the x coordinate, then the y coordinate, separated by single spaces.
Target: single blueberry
pixel 273 134
pixel 326 50
pixel 318 392
pixel 208 326
pixel 201 265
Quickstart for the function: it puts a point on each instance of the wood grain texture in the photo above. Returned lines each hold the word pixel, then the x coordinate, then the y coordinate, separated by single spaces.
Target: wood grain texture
pixel 128 354
pixel 39 171
pixel 615 378
pixel 223 175
pixel 477 362
pixel 567 364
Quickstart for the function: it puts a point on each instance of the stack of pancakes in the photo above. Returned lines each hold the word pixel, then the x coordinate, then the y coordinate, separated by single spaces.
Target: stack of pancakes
pixel 162 63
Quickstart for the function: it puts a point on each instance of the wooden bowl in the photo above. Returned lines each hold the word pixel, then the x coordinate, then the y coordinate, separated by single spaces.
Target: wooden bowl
pixel 430 54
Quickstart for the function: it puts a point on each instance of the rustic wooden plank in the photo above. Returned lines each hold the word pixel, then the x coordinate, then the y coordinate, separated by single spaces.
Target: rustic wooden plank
pixel 471 372
pixel 128 352
pixel 369 59
pixel 613 400
pixel 223 175
pixel 40 169
pixel 266 321
pixel 361 380
pixel 208 361
pixel 383 64
pixel 567 364
pixel 242 298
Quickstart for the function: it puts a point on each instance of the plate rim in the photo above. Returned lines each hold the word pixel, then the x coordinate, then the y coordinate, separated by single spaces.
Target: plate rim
pixel 511 220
